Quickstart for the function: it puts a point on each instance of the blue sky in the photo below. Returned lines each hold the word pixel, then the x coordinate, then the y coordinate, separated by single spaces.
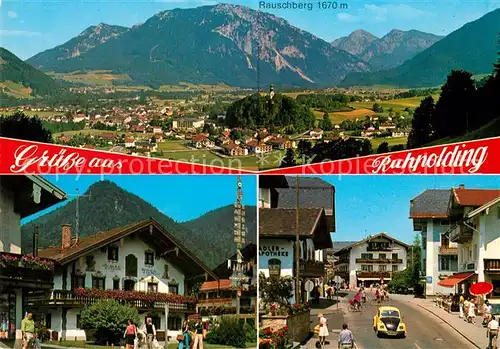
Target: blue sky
pixel 182 197
pixel 30 26
pixel 374 204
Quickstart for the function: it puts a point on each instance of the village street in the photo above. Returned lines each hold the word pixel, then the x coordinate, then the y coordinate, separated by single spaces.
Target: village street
pixel 425 330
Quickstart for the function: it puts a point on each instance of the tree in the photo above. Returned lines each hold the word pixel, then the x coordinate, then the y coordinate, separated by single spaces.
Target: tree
pixel 421 126
pixel 326 124
pixel 235 135
pixel 383 148
pixel 277 290
pixel 109 319
pixel 304 148
pixel 456 107
pixel 398 147
pixel 377 108
pixel 229 331
pixel 20 126
pixel 289 159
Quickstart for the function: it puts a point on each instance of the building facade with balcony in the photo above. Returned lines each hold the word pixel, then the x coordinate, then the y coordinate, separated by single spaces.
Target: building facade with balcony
pixel 20 274
pixel 477 235
pixel 372 260
pixel 277 237
pixel 140 264
pixel 430 213
pixel 221 297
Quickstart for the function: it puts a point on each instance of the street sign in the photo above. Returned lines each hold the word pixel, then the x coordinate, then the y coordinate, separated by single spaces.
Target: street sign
pixel 309 285
pixel 429 279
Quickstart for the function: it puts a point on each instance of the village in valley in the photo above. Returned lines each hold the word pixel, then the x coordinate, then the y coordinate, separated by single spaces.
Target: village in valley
pixel 194 129
pixel 82 279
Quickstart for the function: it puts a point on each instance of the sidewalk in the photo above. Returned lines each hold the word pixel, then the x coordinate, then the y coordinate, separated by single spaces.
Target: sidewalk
pixel 474 333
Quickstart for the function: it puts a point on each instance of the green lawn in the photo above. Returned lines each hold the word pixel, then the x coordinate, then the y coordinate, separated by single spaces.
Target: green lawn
pixel 396 104
pixel 172 145
pixel 391 140
pixel 207 158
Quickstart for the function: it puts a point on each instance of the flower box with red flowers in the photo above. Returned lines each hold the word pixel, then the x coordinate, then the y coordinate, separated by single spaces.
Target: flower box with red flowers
pixel 277 339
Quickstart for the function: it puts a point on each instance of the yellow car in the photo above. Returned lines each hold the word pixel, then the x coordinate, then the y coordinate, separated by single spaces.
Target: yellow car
pixel 389 321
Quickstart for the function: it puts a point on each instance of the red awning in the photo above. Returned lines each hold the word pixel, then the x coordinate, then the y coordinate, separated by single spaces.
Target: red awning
pixel 453 280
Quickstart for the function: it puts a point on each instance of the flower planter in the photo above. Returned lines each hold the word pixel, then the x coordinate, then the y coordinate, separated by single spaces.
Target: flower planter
pixel 298 324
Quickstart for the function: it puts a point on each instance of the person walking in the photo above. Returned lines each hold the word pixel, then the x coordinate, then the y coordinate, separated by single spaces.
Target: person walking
pixel 346 339
pixel 488 312
pixel 198 337
pixel 323 329
pixel 492 333
pixel 150 330
pixel 130 335
pixel 27 330
pixel 471 314
pixel 184 344
pixel 461 306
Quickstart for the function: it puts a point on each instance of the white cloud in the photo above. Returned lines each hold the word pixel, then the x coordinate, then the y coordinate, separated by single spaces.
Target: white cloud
pixel 11 14
pixel 400 11
pixel 23 33
pixel 346 17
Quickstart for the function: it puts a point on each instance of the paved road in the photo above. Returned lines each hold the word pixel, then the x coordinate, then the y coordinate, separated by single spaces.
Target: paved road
pixel 425 331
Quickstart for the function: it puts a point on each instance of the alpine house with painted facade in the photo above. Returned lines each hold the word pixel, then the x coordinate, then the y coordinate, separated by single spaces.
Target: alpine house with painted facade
pixel 371 261
pixel 140 264
pixel 20 274
pixel 278 226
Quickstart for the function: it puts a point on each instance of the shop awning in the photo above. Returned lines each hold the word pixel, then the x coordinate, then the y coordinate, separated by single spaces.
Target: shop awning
pixel 455 279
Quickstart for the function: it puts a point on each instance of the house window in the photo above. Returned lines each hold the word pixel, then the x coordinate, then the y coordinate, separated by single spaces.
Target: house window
pixel 98 283
pixel 78 281
pixel 366 255
pixel 131 265
pixel 367 268
pixel 116 284
pixel 152 287
pixel 496 288
pixel 156 320
pixel 174 289
pixel 445 240
pixel 149 258
pixel 394 268
pixel 274 266
pixel 448 263
pixel 174 323
pixel 424 240
pixel 48 320
pixel 113 253
pixel 128 285
pixel 382 256
pixel 394 256
pixel 78 321
pixel 382 267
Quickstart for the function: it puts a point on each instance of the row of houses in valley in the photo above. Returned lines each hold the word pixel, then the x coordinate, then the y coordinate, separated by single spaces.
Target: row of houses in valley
pixel 141 264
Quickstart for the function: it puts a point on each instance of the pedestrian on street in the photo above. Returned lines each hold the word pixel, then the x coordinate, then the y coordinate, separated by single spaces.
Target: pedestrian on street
pixel 492 333
pixel 184 343
pixel 461 306
pixel 150 331
pixel 27 330
pixel 323 329
pixel 346 339
pixel 130 335
pixel 488 310
pixel 471 315
pixel 198 337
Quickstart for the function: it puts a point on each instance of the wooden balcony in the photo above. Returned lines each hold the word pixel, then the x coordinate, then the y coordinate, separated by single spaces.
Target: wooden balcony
pixel 492 266
pixel 214 302
pixel 378 261
pixel 312 269
pixel 461 234
pixel 447 250
pixel 26 271
pixel 71 300
pixel 373 274
pixel 341 261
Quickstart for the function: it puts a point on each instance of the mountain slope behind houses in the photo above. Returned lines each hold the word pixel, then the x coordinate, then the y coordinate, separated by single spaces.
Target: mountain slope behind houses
pixel 109 206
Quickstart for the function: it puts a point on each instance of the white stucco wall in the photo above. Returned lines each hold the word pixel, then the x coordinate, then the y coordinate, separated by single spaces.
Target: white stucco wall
pixel 276 249
pixel 10 223
pixel 264 197
pixel 112 269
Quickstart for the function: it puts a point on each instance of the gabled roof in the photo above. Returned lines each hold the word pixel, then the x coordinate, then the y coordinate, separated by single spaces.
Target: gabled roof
pixel 371 238
pixel 339 245
pixel 432 203
pixel 281 223
pixel 483 208
pixel 474 197
pixel 162 240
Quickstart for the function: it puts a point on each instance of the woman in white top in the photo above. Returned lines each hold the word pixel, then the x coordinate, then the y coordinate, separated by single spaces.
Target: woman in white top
pixel 323 329
pixel 472 312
